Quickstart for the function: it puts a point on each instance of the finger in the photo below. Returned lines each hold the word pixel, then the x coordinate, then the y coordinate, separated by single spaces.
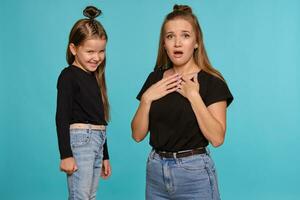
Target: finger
pixel 75 168
pixel 174 84
pixel 170 78
pixel 170 91
pixel 69 172
pixel 195 78
pixel 179 90
pixel 105 170
pixel 182 83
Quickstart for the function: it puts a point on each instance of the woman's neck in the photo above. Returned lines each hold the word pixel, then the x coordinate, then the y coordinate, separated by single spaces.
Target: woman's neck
pixel 187 68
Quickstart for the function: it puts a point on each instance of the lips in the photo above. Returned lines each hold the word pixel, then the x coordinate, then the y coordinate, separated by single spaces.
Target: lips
pixel 177 54
pixel 93 64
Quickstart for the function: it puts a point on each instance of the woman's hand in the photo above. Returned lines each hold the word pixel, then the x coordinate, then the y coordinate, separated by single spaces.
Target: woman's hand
pixel 68 165
pixel 161 88
pixel 189 88
pixel 106 169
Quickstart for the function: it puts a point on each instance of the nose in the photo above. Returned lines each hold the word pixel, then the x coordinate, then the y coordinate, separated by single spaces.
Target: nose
pixel 97 57
pixel 177 42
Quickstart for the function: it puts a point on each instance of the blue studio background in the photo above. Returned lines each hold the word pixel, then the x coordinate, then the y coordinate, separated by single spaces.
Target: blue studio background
pixel 255 44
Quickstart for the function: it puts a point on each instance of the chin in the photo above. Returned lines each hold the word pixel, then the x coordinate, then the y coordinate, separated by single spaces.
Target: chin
pixel 176 63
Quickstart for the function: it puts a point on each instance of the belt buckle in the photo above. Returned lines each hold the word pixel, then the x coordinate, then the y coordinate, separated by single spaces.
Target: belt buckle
pixel 174 154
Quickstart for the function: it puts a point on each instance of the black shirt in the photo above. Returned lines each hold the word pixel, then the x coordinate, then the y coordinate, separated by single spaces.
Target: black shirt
pixel 78 101
pixel 172 123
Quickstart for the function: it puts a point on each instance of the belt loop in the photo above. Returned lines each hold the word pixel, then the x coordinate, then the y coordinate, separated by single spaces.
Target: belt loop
pixel 90 128
pixel 152 154
pixel 174 155
pixel 207 150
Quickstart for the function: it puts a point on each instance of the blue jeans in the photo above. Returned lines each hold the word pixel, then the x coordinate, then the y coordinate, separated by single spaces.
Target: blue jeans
pixel 189 178
pixel 87 148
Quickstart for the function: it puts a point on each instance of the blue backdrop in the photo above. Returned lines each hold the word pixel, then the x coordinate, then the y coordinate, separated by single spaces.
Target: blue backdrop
pixel 255 44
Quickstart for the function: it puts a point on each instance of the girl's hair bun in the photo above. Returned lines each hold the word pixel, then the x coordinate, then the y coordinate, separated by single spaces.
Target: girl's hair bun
pixel 91 12
pixel 182 8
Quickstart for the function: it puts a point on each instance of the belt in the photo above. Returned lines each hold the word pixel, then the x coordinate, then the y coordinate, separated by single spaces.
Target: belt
pixel 87 126
pixel 181 154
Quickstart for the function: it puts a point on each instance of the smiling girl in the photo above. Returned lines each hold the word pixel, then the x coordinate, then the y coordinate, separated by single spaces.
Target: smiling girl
pixel 183 104
pixel 82 108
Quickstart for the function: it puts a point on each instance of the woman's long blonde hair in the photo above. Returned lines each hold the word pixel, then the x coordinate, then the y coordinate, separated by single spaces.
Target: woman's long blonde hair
pixel 163 61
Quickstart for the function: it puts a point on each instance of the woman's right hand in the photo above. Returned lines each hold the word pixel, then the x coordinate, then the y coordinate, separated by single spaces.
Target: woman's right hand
pixel 68 165
pixel 161 88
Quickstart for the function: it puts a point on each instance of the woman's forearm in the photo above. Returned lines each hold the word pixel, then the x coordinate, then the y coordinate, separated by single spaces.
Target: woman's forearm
pixel 140 121
pixel 212 128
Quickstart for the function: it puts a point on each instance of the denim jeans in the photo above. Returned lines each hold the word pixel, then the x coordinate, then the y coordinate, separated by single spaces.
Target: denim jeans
pixel 87 148
pixel 189 178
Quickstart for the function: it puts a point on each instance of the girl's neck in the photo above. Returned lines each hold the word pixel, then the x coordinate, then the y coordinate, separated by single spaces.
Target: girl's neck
pixel 75 64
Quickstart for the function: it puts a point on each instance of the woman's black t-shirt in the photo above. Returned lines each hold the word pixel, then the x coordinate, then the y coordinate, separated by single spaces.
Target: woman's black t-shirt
pixel 172 123
pixel 78 101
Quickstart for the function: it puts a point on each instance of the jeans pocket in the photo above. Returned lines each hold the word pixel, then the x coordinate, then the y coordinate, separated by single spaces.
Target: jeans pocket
pixel 79 139
pixel 195 163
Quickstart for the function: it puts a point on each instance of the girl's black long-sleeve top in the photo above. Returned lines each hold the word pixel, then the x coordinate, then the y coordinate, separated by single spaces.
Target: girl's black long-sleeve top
pixel 78 101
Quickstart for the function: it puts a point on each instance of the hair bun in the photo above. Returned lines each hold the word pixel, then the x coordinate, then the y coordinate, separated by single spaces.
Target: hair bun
pixel 91 12
pixel 183 8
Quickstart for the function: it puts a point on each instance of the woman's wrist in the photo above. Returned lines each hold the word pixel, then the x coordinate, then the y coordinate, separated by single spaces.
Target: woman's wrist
pixel 192 96
pixel 146 100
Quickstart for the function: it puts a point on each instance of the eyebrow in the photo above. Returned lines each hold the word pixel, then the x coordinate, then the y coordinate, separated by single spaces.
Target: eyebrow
pixel 183 31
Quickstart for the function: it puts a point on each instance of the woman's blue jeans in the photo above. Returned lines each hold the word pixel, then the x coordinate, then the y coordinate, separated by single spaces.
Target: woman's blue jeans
pixel 87 148
pixel 189 178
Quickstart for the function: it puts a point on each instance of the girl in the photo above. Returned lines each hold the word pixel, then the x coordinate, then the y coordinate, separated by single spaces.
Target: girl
pixel 82 108
pixel 183 105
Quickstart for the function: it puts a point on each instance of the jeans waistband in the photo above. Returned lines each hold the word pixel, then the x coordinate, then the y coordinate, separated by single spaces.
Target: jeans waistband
pixel 87 126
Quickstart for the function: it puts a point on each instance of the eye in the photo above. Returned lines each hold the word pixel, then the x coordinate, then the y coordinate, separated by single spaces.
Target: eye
pixel 186 35
pixel 90 51
pixel 169 36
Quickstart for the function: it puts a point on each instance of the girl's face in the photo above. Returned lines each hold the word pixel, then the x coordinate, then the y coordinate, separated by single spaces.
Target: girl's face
pixel 90 54
pixel 179 41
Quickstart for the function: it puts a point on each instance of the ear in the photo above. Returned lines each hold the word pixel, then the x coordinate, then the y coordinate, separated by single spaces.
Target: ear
pixel 73 49
pixel 196 46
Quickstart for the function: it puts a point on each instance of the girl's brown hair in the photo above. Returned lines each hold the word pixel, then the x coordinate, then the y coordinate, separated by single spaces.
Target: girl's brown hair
pixel 163 61
pixel 85 29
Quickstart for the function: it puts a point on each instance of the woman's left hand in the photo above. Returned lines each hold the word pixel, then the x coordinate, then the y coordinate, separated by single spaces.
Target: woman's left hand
pixel 187 87
pixel 106 169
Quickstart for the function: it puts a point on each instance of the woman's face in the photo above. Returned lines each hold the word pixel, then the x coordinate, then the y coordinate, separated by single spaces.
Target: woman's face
pixel 179 41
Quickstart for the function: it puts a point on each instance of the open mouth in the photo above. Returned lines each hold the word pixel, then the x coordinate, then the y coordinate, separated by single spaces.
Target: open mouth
pixel 178 54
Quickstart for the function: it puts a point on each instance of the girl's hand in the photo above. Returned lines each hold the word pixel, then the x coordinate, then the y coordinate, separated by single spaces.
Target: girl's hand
pixel 189 88
pixel 68 165
pixel 106 169
pixel 161 88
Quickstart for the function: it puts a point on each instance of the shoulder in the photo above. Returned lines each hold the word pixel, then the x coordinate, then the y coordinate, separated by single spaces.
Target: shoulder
pixel 216 89
pixel 67 72
pixel 210 79
pixel 155 76
pixel 66 76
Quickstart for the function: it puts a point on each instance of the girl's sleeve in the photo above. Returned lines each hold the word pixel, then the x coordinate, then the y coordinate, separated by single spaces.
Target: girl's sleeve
pixel 217 90
pixel 64 113
pixel 105 151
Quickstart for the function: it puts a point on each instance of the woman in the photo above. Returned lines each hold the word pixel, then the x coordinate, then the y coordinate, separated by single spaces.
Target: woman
pixel 183 104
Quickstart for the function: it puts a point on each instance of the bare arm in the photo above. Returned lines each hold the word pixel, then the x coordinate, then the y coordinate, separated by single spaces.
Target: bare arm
pixel 140 121
pixel 211 119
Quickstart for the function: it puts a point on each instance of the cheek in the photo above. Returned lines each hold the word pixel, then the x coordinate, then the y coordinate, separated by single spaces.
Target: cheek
pixel 167 47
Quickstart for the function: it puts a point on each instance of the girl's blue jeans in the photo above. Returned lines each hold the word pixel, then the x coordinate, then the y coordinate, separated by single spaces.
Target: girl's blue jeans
pixel 87 148
pixel 188 178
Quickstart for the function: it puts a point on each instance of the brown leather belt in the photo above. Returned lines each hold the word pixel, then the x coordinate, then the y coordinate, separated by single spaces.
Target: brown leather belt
pixel 181 154
pixel 87 126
